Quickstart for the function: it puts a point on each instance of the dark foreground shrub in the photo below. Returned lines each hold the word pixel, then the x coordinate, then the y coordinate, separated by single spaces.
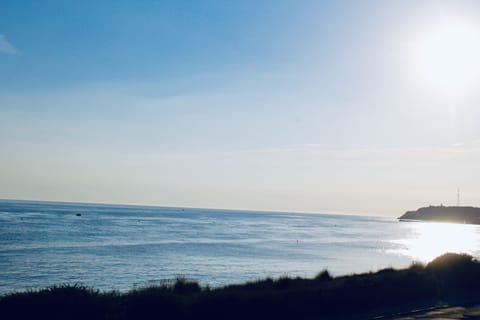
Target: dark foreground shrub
pixel 455 272
pixel 323 276
pixel 451 262
pixel 60 302
pixel 185 286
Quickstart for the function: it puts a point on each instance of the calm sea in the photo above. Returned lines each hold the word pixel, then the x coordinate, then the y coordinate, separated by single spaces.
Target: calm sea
pixel 119 246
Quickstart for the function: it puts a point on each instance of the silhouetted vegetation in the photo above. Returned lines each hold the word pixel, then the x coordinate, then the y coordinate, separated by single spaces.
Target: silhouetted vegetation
pixel 451 276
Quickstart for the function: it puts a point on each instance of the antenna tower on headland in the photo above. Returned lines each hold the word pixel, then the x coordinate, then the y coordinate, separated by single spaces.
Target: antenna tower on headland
pixel 458 197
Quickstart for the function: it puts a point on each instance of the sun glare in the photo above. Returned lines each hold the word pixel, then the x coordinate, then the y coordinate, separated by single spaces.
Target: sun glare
pixel 430 240
pixel 446 56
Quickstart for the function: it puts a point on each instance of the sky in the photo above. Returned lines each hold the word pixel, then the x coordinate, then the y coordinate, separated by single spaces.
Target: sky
pixel 349 107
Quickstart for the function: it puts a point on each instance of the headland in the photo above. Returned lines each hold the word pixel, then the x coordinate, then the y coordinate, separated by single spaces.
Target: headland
pixel 452 214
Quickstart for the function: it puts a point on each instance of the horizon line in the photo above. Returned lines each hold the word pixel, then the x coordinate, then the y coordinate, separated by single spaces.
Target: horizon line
pixel 187 207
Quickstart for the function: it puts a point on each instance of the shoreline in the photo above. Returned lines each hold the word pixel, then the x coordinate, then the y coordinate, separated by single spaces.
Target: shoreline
pixel 449 280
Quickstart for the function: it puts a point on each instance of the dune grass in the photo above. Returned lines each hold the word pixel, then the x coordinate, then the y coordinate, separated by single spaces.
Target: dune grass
pixel 451 276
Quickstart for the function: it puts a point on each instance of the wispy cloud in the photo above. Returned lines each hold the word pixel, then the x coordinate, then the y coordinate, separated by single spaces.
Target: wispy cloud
pixel 6 47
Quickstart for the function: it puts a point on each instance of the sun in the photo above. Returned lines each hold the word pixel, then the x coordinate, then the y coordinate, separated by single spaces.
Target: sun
pixel 446 56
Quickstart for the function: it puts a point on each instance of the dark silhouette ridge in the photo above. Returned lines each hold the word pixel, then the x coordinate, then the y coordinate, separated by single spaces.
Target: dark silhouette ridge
pixel 451 277
pixel 453 214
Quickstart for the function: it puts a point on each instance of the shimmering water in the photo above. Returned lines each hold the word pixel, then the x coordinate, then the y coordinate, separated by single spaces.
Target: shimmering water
pixel 118 247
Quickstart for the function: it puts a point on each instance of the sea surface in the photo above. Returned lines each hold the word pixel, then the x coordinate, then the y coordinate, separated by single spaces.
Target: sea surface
pixel 122 247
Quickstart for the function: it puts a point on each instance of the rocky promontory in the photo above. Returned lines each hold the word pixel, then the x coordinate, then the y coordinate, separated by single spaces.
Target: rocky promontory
pixel 453 214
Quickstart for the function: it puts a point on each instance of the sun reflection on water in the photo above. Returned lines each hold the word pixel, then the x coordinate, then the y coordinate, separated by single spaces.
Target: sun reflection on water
pixel 429 240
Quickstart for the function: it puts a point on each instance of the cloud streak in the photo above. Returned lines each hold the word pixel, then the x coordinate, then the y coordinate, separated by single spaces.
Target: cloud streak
pixel 6 47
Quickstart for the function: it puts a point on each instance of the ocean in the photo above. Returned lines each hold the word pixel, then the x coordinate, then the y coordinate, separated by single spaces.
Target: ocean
pixel 121 246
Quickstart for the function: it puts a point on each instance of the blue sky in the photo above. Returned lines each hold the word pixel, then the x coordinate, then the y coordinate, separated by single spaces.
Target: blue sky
pixel 363 107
